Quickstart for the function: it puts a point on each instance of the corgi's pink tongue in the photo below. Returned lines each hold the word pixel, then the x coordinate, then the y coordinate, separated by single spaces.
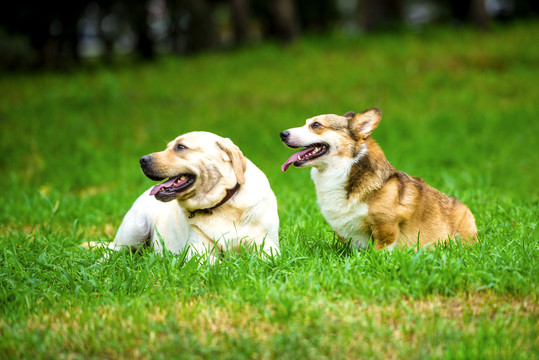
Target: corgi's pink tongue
pixel 295 157
pixel 167 183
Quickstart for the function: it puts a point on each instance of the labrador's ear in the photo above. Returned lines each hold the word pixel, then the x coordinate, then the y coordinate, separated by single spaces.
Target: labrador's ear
pixel 235 156
pixel 364 123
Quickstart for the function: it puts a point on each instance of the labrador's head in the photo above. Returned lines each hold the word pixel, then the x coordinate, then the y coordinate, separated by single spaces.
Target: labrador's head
pixel 200 167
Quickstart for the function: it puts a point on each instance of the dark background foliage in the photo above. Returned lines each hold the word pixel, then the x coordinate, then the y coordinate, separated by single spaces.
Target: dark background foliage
pixel 60 35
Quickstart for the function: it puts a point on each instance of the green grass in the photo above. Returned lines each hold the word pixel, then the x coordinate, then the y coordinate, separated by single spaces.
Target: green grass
pixel 460 110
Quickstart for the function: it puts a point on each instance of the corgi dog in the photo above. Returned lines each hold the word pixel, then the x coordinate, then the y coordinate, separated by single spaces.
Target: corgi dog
pixel 362 196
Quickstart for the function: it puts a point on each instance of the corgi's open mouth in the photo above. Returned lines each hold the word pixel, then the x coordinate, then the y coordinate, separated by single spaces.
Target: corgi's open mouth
pixel 173 186
pixel 302 157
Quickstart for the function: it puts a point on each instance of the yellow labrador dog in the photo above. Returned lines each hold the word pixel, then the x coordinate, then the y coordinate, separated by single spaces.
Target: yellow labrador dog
pixel 215 199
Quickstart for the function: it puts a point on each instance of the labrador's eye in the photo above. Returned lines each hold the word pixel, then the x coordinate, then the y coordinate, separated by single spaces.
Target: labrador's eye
pixel 180 147
pixel 315 125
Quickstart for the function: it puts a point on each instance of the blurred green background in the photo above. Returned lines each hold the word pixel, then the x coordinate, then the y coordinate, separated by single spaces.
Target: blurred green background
pixel 459 97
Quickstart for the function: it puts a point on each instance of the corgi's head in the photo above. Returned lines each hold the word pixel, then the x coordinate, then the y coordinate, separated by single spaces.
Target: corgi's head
pixel 328 136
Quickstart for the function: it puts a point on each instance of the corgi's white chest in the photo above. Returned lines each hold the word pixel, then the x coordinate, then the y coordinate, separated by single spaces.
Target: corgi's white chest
pixel 344 216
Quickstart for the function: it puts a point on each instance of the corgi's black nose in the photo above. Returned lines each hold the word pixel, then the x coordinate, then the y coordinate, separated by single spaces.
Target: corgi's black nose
pixel 284 135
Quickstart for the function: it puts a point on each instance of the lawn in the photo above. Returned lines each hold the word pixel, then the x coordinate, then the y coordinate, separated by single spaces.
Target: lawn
pixel 460 109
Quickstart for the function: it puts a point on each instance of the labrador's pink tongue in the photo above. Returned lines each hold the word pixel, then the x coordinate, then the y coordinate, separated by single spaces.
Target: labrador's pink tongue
pixel 167 183
pixel 294 158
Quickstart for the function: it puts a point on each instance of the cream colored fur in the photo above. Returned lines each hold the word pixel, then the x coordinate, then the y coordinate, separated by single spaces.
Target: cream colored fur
pixel 248 218
pixel 339 211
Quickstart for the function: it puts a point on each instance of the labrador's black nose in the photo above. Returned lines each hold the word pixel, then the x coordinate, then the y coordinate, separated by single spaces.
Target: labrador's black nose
pixel 284 135
pixel 145 160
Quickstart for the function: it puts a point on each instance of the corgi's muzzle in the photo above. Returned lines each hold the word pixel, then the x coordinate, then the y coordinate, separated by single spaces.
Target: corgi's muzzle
pixel 302 157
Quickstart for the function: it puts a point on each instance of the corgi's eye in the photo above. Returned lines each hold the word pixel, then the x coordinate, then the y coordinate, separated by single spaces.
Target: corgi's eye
pixel 315 125
pixel 180 147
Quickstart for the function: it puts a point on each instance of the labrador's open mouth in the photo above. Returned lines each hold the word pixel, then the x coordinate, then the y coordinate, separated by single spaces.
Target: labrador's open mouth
pixel 302 157
pixel 174 185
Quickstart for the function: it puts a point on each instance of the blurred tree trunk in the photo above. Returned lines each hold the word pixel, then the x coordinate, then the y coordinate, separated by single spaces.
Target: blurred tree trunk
pixel 470 10
pixel 376 14
pixel 68 54
pixel 192 27
pixel 202 31
pixel 145 46
pixel 479 14
pixel 176 36
pixel 240 10
pixel 317 15
pixel 284 21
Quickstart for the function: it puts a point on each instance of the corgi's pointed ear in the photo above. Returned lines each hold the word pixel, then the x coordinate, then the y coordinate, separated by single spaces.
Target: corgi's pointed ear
pixel 235 156
pixel 364 123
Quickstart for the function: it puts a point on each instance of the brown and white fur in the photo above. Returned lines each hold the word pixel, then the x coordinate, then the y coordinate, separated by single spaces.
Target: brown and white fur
pixel 362 196
pixel 188 211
